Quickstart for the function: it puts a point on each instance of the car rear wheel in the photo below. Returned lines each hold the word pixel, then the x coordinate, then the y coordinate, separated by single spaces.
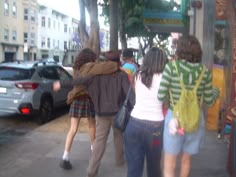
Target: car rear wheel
pixel 45 111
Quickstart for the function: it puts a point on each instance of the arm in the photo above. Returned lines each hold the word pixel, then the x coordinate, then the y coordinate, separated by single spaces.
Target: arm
pixel 99 68
pixel 163 92
pixel 85 81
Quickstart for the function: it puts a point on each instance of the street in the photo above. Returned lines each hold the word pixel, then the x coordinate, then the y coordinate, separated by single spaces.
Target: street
pixel 14 126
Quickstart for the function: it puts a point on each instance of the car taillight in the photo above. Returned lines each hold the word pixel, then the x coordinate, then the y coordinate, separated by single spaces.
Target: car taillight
pixel 25 110
pixel 27 85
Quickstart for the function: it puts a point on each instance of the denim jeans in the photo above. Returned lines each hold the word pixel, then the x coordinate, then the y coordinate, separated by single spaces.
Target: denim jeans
pixel 143 140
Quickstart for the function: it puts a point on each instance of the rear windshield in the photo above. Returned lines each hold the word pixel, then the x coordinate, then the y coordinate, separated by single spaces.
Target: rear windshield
pixel 15 74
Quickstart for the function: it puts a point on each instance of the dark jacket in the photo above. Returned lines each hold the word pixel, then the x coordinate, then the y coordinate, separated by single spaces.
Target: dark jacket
pixel 108 92
pixel 91 68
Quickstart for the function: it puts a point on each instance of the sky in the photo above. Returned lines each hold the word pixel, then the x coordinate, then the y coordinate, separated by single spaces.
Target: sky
pixel 68 7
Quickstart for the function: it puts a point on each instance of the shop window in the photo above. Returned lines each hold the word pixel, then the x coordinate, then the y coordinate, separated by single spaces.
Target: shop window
pixel 14 9
pixel 6 34
pixel 6 7
pixel 14 35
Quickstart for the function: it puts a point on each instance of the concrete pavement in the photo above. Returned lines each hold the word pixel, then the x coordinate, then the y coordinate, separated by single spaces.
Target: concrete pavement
pixel 37 154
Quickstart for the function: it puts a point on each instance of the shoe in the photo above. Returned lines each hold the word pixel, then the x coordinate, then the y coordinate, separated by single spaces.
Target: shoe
pixel 66 165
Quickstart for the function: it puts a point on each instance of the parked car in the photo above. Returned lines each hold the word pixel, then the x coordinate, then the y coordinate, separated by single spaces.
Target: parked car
pixel 26 88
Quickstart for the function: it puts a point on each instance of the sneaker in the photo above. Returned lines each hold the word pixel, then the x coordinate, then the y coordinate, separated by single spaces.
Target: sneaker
pixel 65 164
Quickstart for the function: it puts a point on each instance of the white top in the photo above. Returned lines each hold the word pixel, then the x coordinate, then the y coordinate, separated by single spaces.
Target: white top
pixel 147 106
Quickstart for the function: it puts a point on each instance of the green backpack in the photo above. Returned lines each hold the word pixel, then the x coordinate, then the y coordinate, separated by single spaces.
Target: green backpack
pixel 187 110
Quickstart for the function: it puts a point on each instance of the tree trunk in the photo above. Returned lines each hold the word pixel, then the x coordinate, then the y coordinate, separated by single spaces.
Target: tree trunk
pixel 123 39
pixel 94 41
pixel 83 35
pixel 113 8
pixel 90 40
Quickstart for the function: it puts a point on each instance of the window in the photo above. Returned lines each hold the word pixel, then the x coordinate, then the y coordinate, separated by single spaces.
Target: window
pixel 15 74
pixel 65 44
pixel 48 42
pixel 58 43
pixel 32 40
pixel 6 34
pixel 14 35
pixel 65 28
pixel 6 7
pixel 26 13
pixel 14 9
pixel 54 24
pixel 49 23
pixel 25 37
pixel 32 16
pixel 43 42
pixel 43 22
pixel 54 43
pixel 49 73
pixel 58 26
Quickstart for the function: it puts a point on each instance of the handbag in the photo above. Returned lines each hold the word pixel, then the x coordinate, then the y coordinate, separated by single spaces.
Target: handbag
pixel 122 117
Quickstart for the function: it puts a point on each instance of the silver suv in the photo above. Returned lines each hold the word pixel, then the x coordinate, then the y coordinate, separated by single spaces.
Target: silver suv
pixel 26 88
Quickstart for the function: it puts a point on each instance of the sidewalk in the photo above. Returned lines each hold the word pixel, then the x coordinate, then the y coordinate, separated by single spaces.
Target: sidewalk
pixel 38 155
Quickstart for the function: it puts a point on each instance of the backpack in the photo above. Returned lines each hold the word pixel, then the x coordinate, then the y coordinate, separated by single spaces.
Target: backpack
pixel 187 109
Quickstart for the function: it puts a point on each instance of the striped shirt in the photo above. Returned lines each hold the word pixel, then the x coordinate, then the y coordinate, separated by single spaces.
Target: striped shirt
pixel 189 73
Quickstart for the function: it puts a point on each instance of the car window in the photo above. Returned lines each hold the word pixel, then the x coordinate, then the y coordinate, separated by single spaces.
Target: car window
pixel 14 74
pixel 49 73
pixel 63 75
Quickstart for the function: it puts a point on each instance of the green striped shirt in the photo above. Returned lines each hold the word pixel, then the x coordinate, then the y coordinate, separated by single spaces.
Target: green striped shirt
pixel 189 73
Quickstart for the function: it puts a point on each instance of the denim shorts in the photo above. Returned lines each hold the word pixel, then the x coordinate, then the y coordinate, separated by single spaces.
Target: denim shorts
pixel 188 143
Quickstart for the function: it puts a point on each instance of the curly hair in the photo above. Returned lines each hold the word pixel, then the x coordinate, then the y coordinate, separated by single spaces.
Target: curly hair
pixel 189 49
pixel 85 56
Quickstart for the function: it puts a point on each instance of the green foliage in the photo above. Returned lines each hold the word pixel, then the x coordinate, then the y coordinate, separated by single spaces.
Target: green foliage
pixel 132 14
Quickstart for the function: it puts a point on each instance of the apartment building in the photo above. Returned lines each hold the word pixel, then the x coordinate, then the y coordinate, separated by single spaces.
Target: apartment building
pixel 55 34
pixel 11 30
pixel 31 31
pixel 30 26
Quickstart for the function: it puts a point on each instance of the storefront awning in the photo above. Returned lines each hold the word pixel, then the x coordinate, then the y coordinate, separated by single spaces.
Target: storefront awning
pixel 163 21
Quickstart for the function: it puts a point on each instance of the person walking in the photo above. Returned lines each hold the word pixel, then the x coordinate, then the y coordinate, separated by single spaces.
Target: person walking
pixel 128 64
pixel 189 68
pixel 143 134
pixel 81 105
pixel 108 92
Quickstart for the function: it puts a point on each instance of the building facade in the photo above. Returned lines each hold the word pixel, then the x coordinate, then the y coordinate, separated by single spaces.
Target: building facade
pixel 30 23
pixel 11 30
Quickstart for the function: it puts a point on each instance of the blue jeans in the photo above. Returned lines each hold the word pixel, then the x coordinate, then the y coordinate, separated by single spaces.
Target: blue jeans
pixel 143 139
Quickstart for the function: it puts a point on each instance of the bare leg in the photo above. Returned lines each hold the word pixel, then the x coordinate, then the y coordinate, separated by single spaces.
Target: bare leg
pixel 74 124
pixel 169 165
pixel 185 165
pixel 92 127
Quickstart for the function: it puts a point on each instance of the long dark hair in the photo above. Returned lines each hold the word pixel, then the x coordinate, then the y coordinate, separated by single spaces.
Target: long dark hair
pixel 189 49
pixel 153 62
